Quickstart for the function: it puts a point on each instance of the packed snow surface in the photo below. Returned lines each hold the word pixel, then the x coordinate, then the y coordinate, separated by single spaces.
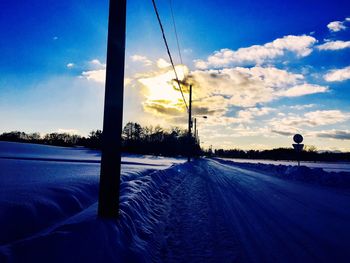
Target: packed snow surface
pixel 327 166
pixel 204 211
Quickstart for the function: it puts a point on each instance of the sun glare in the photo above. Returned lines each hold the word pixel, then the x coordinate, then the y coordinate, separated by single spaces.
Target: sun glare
pixel 162 88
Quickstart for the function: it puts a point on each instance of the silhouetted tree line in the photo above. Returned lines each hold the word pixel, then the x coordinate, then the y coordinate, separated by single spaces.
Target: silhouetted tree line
pixel 174 142
pixel 135 139
pixel 55 138
pixel 157 141
pixel 309 154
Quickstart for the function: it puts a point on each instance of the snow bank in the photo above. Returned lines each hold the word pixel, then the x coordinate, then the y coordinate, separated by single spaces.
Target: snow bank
pixel 83 238
pixel 44 186
pixel 302 173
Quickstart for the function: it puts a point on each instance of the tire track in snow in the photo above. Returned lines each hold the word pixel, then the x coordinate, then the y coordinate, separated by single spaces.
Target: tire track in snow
pixel 221 213
pixel 195 229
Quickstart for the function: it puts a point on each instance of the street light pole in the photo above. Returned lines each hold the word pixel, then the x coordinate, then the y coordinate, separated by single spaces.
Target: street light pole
pixel 108 203
pixel 195 128
pixel 190 126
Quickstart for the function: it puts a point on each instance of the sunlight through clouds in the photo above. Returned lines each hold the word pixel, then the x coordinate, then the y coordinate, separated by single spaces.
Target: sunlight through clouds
pixel 162 63
pixel 161 91
pixel 246 87
pixel 239 90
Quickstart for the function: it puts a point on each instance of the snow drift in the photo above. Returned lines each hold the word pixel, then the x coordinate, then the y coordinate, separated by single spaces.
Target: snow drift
pixel 302 173
pixel 84 238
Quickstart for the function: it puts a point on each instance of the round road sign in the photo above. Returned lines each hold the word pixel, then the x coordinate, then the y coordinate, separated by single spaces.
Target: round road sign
pixel 298 138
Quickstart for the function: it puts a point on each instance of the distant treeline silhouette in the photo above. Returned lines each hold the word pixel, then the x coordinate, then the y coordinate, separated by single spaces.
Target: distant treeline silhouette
pixel 135 139
pixel 309 154
pixel 173 142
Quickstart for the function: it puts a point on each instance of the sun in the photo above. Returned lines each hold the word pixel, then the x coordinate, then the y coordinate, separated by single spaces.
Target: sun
pixel 160 88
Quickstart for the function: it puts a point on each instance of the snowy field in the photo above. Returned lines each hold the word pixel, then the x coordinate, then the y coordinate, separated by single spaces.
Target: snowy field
pixel 327 166
pixel 171 211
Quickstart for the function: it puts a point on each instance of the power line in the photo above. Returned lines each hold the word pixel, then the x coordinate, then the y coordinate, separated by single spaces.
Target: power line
pixel 176 35
pixel 168 50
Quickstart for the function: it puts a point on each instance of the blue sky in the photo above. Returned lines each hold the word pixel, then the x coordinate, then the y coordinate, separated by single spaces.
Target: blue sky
pixel 262 70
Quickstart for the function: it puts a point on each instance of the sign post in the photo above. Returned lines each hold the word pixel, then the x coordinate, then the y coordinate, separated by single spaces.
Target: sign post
pixel 298 147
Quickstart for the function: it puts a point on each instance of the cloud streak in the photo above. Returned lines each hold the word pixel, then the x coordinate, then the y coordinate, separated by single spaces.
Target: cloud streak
pixel 301 46
pixel 337 75
pixel 334 45
pixel 141 59
pixel 303 89
pixel 310 119
pixel 335 134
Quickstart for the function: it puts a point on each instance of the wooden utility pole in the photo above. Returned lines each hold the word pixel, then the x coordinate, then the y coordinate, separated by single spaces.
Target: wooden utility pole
pixel 108 203
pixel 190 126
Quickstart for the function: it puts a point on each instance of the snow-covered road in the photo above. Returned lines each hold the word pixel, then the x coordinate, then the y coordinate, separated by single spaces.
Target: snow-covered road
pixel 203 211
pixel 221 213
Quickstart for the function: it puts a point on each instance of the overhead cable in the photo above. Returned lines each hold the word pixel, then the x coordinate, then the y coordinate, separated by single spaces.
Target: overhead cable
pixel 175 30
pixel 168 50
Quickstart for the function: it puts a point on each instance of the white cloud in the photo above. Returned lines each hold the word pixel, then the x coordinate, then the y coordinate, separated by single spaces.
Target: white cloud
pixel 271 76
pixel 338 74
pixel 243 116
pixel 247 87
pixel 97 72
pixel 334 45
pixel 325 117
pixel 246 115
pixel 70 65
pixel 310 119
pixel 215 92
pixel 336 26
pixel 162 63
pixel 301 107
pixel 258 54
pixel 347 19
pixel 142 59
pixel 217 133
pixel 98 75
pixel 96 64
pixel 303 89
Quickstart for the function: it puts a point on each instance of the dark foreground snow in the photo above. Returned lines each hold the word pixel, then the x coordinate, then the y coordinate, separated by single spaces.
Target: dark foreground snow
pixel 203 211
